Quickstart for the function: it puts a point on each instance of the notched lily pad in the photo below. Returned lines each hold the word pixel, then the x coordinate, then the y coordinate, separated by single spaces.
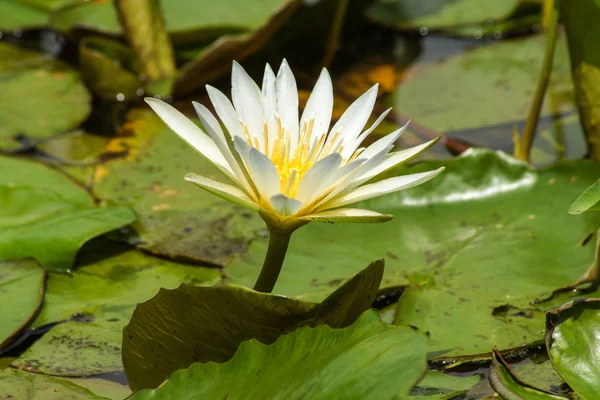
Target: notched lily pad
pixel 176 219
pixel 572 332
pixel 22 285
pixel 509 386
pixel 46 97
pixel 96 300
pixel 207 324
pixel 316 363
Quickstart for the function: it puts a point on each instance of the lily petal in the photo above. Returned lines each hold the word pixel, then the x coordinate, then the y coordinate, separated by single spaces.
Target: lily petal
pixel 264 173
pixel 269 95
pixel 355 117
pixel 348 215
pixel 349 150
pixel 287 102
pixel 216 133
pixel 318 178
pixel 383 187
pixel 382 143
pixel 319 105
pixel 247 101
pixel 392 160
pixel 284 205
pixel 225 111
pixel 227 192
pixel 192 134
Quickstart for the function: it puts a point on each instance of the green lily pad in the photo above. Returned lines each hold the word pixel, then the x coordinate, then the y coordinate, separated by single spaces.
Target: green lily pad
pixel 25 385
pixel 97 301
pixel 109 68
pixel 58 223
pixel 16 15
pixel 437 385
pixel 441 14
pixel 47 96
pixel 587 201
pixel 186 22
pixel 22 285
pixel 487 86
pixel 176 219
pixel 481 241
pixel 572 343
pixel 509 386
pixel 366 360
pixel 207 324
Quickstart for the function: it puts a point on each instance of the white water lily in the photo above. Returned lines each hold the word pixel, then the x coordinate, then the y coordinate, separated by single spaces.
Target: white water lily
pixel 293 170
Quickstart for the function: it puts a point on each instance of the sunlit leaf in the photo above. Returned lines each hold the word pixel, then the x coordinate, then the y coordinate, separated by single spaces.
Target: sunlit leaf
pixel 572 333
pixel 366 360
pixel 207 324
pixel 22 285
pixel 587 201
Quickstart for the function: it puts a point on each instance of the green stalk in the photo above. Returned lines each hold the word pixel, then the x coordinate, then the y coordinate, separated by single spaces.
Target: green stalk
pixel 143 25
pixel 336 32
pixel 525 143
pixel 278 245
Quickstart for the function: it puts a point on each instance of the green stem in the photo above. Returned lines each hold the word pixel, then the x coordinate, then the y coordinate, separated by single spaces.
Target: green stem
pixel 336 32
pixel 143 25
pixel 278 244
pixel 524 145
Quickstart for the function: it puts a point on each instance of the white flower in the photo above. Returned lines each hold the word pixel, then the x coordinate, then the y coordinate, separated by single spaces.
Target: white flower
pixel 293 171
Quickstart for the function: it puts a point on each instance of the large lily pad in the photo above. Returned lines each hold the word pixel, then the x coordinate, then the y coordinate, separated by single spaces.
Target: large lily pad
pixel 366 360
pixel 47 96
pixel 186 22
pixel 22 285
pixel 176 219
pixel 573 346
pixel 179 327
pixel 489 85
pixel 62 218
pixel 97 301
pixel 18 385
pixel 441 14
pixel 27 14
pixel 482 241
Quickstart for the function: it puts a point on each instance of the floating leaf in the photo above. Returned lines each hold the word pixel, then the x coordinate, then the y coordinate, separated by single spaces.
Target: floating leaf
pixel 176 219
pixel 587 201
pixel 96 301
pixel 437 385
pixel 25 385
pixel 62 218
pixel 583 35
pixel 509 386
pixel 572 333
pixel 487 86
pixel 109 68
pixel 207 324
pixel 442 14
pixel 28 14
pixel 22 285
pixel 43 96
pixel 482 242
pixel 366 360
